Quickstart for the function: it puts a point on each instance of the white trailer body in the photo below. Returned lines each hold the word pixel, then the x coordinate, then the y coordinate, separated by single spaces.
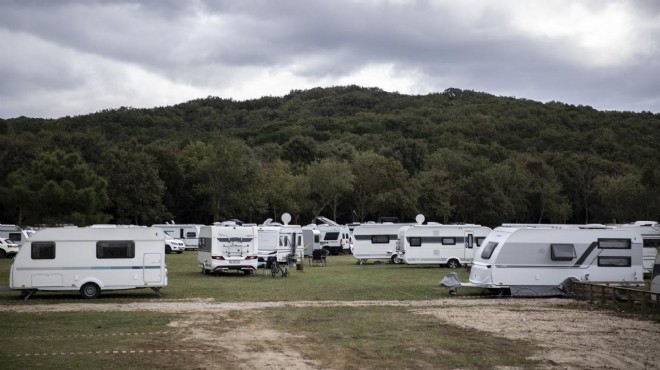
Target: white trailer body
pixel 91 260
pixel 335 238
pixel 311 240
pixel 228 247
pixel 291 241
pixel 189 233
pixel 450 245
pixel 377 241
pixel 537 261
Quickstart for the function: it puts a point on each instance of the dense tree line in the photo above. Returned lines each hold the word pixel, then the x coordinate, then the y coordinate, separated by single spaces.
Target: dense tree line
pixel 350 153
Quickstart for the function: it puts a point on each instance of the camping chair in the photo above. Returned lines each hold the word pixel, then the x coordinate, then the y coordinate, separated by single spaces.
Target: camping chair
pixel 318 257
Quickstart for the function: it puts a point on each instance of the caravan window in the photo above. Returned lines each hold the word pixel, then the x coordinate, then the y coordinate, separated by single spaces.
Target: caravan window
pixel 380 239
pixel 15 237
pixel 651 243
pixel 115 249
pixel 415 242
pixel 480 239
pixel 562 252
pixel 488 251
pixel 614 243
pixel 191 235
pixel 43 250
pixel 448 241
pixel 611 261
pixel 331 236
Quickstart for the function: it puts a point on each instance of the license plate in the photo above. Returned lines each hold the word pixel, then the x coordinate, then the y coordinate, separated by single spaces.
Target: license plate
pixel 234 262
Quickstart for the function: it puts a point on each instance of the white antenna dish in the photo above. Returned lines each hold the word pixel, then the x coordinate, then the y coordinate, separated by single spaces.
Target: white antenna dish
pixel 286 218
pixel 420 218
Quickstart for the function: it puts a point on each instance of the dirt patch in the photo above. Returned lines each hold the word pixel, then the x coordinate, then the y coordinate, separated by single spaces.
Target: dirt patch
pixel 569 333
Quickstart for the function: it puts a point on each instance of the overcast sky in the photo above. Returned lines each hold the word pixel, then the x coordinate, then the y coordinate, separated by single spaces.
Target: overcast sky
pixel 68 57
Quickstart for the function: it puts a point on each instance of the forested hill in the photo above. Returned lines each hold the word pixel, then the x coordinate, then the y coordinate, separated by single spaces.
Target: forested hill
pixel 349 153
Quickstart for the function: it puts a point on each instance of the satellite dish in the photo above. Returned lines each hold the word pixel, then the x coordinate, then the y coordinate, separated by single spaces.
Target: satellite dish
pixel 286 218
pixel 420 218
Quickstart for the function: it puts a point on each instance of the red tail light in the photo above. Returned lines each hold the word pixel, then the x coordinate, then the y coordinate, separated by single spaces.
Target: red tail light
pixel 251 257
pixel 221 258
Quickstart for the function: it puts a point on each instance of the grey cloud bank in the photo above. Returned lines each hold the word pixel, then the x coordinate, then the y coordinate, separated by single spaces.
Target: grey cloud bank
pixel 77 57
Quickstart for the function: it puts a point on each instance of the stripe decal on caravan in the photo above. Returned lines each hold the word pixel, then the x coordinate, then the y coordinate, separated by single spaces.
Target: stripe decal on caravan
pixel 586 254
pixel 92 268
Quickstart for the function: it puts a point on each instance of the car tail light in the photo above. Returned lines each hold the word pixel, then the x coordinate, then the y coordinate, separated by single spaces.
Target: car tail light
pixel 221 258
pixel 251 257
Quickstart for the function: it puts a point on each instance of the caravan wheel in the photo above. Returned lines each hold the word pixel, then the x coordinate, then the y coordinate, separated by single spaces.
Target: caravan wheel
pixel 452 264
pixel 395 259
pixel 90 290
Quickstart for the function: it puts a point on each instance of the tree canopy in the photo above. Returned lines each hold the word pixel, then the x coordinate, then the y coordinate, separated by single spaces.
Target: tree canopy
pixel 351 153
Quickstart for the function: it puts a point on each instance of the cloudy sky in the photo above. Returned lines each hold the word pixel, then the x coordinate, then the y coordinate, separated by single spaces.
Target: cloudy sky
pixel 72 57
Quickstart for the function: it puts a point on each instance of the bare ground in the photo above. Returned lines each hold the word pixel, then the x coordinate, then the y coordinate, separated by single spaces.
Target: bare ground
pixel 570 334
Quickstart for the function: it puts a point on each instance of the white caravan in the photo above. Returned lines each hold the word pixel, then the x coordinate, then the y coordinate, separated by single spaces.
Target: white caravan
pixel 90 260
pixel 335 238
pixel 189 233
pixel 311 240
pixel 650 231
pixel 542 261
pixel 15 234
pixel 376 241
pixel 446 245
pixel 282 241
pixel 228 246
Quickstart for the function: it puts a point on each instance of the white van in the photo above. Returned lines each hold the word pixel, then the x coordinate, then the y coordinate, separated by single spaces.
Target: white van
pixel 90 260
pixel 14 233
pixel 228 246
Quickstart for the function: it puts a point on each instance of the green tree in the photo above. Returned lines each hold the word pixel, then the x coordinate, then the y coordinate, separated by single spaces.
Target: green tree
pixel 57 188
pixel 330 181
pixel 284 191
pixel 134 187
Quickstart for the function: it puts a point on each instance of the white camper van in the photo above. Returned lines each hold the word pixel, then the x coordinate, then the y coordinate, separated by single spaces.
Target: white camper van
pixel 189 233
pixel 446 245
pixel 540 261
pixel 335 238
pixel 90 260
pixel 228 246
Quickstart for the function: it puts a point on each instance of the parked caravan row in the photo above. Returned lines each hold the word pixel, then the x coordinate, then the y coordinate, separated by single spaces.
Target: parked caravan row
pixel 90 260
pixel 542 261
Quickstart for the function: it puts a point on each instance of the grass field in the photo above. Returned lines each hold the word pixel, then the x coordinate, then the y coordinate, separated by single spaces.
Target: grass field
pixel 331 337
pixel 341 279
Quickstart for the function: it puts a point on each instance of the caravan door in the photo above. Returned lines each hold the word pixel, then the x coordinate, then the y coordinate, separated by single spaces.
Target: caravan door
pixel 152 267
pixel 468 251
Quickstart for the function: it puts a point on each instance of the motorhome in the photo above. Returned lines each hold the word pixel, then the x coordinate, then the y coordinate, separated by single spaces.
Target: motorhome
pixel 228 246
pixel 14 233
pixel 435 244
pixel 541 261
pixel 189 233
pixel 335 238
pixel 90 260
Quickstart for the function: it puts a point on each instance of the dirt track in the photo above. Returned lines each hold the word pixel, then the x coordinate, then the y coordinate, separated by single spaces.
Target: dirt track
pixel 571 334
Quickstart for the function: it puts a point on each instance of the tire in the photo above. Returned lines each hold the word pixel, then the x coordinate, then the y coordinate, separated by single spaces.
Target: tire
pixel 395 260
pixel 452 264
pixel 168 250
pixel 90 291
